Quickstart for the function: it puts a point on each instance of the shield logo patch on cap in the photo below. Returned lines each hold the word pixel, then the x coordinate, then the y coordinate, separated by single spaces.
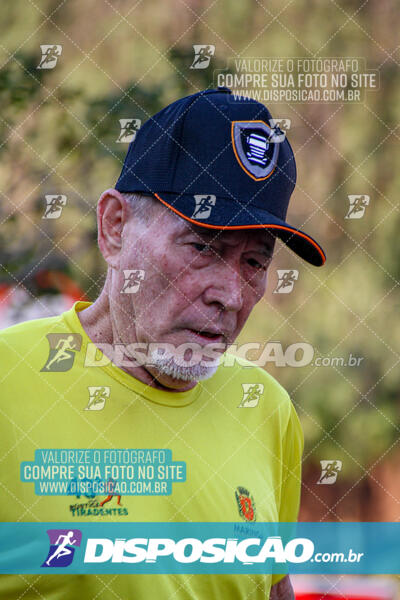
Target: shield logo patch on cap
pixel 256 147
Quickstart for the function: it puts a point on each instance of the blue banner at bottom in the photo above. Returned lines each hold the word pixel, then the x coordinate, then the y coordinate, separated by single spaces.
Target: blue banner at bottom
pixel 200 548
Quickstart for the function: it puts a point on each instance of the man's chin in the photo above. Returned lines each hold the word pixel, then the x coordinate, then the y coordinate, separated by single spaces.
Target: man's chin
pixel 170 369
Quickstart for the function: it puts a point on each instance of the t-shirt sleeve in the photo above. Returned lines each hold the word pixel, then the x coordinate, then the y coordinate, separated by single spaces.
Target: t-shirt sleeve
pixel 292 451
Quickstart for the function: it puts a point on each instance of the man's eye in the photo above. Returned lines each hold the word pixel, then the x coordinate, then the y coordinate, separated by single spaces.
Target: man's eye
pixel 203 248
pixel 254 263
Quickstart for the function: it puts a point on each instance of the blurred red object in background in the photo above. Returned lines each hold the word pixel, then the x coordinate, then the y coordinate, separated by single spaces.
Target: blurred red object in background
pixel 344 587
pixel 47 294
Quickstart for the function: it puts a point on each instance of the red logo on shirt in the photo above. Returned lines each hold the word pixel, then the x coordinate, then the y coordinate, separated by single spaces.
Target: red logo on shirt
pixel 246 504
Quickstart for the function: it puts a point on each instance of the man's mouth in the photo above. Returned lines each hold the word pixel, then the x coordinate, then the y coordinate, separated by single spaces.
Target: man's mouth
pixel 212 336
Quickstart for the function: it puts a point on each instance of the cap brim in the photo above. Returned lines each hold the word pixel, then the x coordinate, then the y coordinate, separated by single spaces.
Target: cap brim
pixel 231 214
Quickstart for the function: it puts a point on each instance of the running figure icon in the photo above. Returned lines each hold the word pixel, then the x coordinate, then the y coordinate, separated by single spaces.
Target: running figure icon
pixel 62 549
pixel 62 354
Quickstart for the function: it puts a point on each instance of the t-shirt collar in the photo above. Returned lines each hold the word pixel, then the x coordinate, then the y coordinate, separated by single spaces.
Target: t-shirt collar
pixel 174 399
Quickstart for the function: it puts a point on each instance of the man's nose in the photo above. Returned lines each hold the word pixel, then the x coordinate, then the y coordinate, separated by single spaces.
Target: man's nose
pixel 225 288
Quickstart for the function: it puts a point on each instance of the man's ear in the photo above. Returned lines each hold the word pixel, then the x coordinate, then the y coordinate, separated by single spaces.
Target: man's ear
pixel 112 214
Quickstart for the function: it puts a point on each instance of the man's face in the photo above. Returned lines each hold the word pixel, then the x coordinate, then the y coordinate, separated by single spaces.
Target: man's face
pixel 199 285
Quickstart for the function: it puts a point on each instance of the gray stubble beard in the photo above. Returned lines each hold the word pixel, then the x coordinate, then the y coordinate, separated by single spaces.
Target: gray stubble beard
pixel 172 368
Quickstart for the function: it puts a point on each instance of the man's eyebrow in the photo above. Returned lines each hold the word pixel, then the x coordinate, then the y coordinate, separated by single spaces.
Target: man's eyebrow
pixel 204 233
pixel 266 246
pixel 267 250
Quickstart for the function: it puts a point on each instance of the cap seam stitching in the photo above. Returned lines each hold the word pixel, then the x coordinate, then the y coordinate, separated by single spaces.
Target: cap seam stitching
pixel 194 97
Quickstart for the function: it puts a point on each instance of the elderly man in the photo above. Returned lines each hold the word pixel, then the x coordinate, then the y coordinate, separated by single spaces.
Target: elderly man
pixel 187 234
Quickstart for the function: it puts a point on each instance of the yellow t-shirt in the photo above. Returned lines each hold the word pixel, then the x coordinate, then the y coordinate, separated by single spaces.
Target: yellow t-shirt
pixel 242 454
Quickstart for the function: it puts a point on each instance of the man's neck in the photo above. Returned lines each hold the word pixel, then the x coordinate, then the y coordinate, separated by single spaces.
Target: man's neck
pixel 96 320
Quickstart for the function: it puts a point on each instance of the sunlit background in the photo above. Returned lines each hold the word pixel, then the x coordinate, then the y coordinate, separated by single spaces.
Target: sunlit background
pixel 122 59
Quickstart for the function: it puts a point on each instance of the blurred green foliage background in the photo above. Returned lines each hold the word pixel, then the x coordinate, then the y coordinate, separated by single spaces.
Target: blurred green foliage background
pixel 122 59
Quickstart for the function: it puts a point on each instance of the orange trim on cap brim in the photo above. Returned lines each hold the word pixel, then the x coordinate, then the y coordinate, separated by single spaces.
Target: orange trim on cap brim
pixel 233 227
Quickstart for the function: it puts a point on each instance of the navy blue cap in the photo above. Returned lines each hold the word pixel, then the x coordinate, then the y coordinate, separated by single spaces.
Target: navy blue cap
pixel 219 163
